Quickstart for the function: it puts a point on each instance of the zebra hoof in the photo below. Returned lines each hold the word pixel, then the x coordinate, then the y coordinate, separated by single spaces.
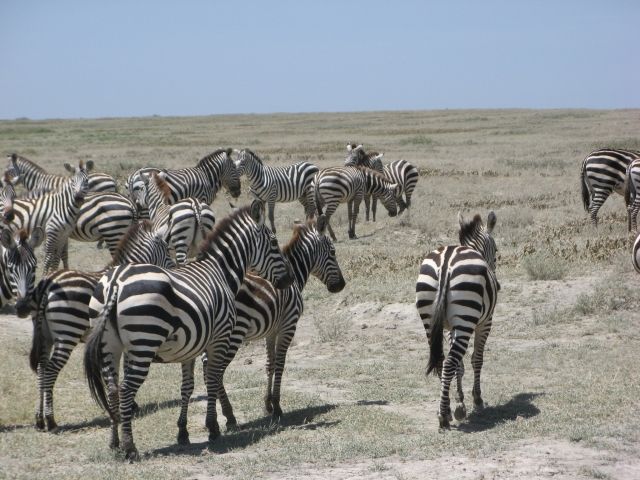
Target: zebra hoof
pixel 232 425
pixel 445 422
pixel 132 455
pixel 135 408
pixel 183 438
pixel 460 412
pixel 52 426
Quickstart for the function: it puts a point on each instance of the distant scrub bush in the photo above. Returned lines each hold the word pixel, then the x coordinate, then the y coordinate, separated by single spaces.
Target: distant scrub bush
pixel 544 267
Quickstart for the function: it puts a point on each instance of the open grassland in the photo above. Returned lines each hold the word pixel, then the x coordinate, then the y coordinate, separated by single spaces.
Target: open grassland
pixel 561 366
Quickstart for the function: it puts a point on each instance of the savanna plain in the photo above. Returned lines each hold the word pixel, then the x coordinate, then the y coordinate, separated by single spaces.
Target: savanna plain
pixel 562 363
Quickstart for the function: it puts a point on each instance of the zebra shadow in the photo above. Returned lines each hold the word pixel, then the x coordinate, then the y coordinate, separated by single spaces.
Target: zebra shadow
pixel 519 407
pixel 252 432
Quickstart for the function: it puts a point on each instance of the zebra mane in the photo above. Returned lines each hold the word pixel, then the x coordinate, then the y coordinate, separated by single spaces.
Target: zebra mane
pixel 134 231
pixel 254 156
pixel 298 232
pixel 372 172
pixel 221 226
pixel 15 158
pixel 214 156
pixel 470 228
pixel 163 187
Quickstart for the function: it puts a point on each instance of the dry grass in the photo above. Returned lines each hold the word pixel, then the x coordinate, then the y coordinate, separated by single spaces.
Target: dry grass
pixel 561 361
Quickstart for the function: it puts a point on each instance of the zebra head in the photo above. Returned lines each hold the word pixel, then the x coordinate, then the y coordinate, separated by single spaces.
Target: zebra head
pixel 475 235
pixel 266 257
pixel 135 182
pixel 247 162
pixel 79 182
pixel 7 195
pixel 355 155
pixel 230 176
pixel 389 198
pixel 141 244
pixel 376 162
pixel 14 169
pixel 20 262
pixel 326 267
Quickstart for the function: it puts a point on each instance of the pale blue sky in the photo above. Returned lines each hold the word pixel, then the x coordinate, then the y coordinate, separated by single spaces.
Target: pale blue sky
pixel 67 59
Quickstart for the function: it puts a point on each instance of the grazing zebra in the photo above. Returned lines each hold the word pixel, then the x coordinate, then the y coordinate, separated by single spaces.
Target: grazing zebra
pixel 152 314
pixel 184 224
pixel 632 194
pixel 60 311
pixel 457 290
pixel 636 254
pixel 400 172
pixel 337 185
pixel 278 184
pixel 603 172
pixel 357 157
pixel 202 181
pixel 18 266
pixel 34 177
pixel 264 312
pixel 55 211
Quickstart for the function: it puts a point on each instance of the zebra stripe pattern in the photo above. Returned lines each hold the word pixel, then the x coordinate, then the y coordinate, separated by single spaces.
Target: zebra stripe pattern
pixel 636 254
pixel 603 172
pixel 55 211
pixel 632 194
pixel 150 313
pixel 278 184
pixel 18 267
pixel 265 312
pixel 203 181
pixel 337 185
pixel 60 311
pixel 401 173
pixel 35 178
pixel 184 224
pixel 457 289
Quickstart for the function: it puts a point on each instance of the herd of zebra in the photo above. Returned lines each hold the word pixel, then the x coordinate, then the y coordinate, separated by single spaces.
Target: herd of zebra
pixel 163 299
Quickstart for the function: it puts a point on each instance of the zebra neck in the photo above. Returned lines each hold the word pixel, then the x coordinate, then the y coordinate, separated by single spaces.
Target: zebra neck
pixel 300 261
pixel 373 183
pixel 5 286
pixel 212 167
pixel 255 173
pixel 230 260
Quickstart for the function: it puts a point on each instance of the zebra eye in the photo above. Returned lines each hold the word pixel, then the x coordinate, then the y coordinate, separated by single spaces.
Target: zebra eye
pixel 274 243
pixel 332 252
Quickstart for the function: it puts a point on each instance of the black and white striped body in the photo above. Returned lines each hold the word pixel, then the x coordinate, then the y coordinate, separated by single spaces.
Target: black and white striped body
pixel 602 173
pixel 636 254
pixel 56 212
pixel 401 173
pixel 154 314
pixel 457 291
pixel 35 178
pixel 265 312
pixel 203 181
pixel 184 224
pixel 60 311
pixel 278 184
pixel 337 185
pixel 632 194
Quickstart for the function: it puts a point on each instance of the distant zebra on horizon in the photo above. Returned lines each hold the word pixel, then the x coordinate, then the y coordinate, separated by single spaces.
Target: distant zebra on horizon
pixel 278 184
pixel 457 289
pixel 35 178
pixel 603 172
pixel 60 311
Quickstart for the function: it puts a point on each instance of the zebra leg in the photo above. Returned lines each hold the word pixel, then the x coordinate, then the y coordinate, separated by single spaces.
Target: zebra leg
pixel 65 255
pixel 634 209
pixel 449 370
pixel 186 390
pixel 477 359
pixel 270 344
pixel 352 231
pixel 42 363
pixel 354 216
pixel 461 410
pixel 239 333
pixel 374 207
pixel 214 372
pixel 58 360
pixel 367 203
pixel 110 378
pixel 282 346
pixel 598 198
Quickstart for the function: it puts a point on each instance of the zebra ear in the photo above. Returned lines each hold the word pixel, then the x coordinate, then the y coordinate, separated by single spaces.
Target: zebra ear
pixel 6 238
pixel 69 168
pixel 460 218
pixel 349 147
pixel 257 211
pixel 88 166
pixel 37 236
pixel 321 224
pixel 491 221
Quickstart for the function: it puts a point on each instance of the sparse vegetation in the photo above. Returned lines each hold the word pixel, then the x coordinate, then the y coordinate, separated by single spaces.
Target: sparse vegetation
pixel 540 266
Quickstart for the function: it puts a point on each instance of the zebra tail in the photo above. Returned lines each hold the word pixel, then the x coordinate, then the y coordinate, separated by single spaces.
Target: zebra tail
pixel 585 189
pixel 38 341
pixel 317 199
pixel 93 358
pixel 436 349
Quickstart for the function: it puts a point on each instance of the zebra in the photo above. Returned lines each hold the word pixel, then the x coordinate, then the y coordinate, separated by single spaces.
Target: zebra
pixel 356 156
pixel 400 172
pixel 457 290
pixel 264 312
pixel 184 224
pixel 603 171
pixel 18 266
pixel 636 254
pixel 632 194
pixel 278 184
pixel 335 185
pixel 34 177
pixel 55 211
pixel 150 313
pixel 202 181
pixel 60 311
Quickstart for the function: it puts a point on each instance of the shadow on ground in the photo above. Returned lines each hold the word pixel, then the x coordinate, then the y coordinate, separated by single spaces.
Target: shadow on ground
pixel 520 406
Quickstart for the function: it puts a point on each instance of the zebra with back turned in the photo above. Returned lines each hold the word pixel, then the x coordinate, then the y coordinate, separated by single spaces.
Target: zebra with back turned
pixel 149 313
pixel 603 172
pixel 55 211
pixel 60 311
pixel 265 312
pixel 278 184
pixel 35 178
pixel 457 289
pixel 183 224
pixel 203 181
pixel 18 266
pixel 337 185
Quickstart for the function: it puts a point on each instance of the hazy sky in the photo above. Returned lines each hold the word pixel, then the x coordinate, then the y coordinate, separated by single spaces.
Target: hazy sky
pixel 90 58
